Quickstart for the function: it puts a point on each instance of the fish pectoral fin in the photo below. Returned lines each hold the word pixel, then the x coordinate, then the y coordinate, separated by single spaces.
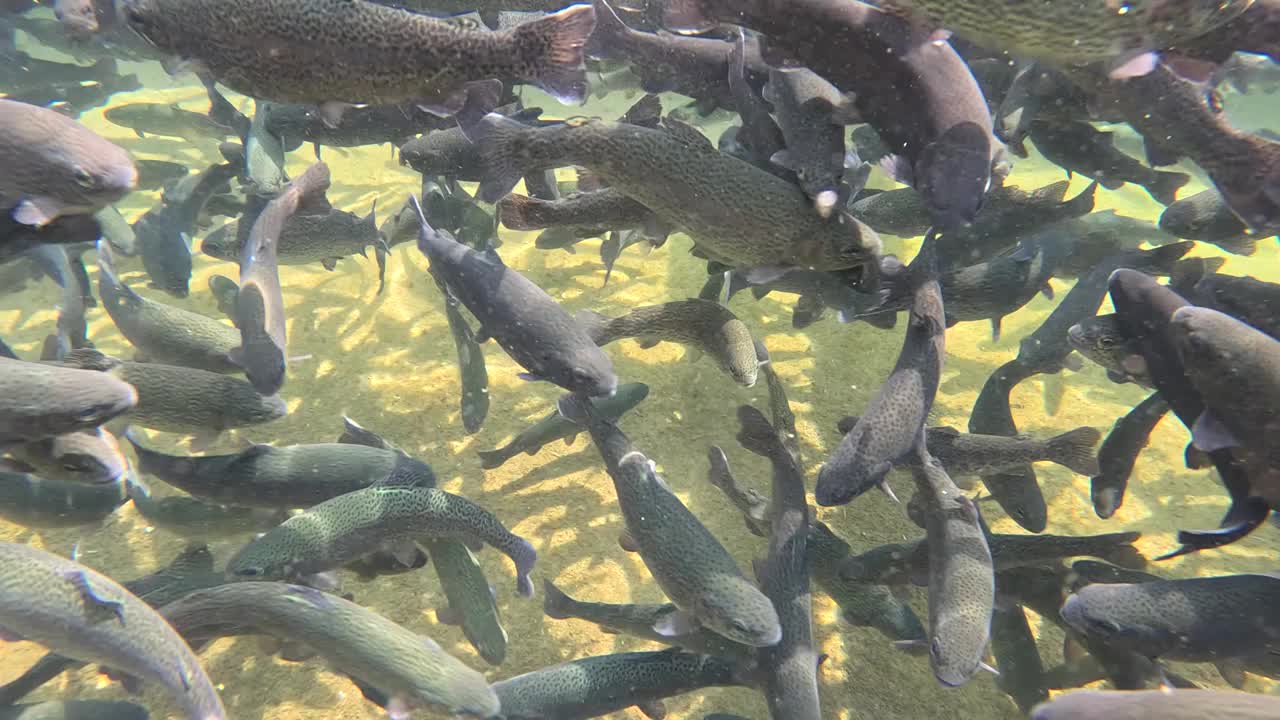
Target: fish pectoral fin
pixel 627 541
pixel 530 377
pixel 675 624
pixel 37 210
pixel 330 264
pixel 568 441
pixel 653 709
pixel 93 601
pixel 1209 434
pixel 398 708
pixel 648 342
pixel 405 552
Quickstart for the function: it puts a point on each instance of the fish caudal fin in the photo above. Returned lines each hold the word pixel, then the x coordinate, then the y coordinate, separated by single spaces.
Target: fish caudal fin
pixel 756 434
pixel 1124 554
pixel 1074 450
pixel 556 604
pixel 556 45
pixel 495 135
pixel 490 459
pixel 1165 185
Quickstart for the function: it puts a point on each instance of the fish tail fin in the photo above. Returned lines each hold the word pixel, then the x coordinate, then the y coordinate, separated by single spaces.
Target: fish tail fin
pixel 1124 554
pixel 524 556
pixel 194 560
pixel 520 212
pixel 596 325
pixel 1074 450
pixel 490 459
pixel 555 46
pixel 1161 260
pixel 156 463
pixel 556 604
pixel 496 137
pixel 756 434
pixel 1165 185
pixel 1083 203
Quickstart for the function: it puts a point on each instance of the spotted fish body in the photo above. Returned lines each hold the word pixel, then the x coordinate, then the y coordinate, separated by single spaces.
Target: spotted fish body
pixel 282 477
pixel 599 685
pixel 37 502
pixel 472 604
pixel 164 333
pixel 702 324
pixel 736 213
pixel 350 526
pixel 319 51
pixel 556 427
pixel 1074 33
pixel 87 616
pixel 412 670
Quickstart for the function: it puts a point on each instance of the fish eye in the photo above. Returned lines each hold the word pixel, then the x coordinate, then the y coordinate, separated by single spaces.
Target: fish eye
pixel 133 16
pixel 739 626
pixel 250 572
pixel 83 178
pixel 1104 626
pixel 74 466
pixel 1106 343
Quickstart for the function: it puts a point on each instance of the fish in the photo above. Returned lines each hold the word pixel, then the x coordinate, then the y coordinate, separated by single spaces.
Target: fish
pixel 1102 340
pixel 164 333
pixel 323 237
pixel 263 164
pixel 687 561
pixel 756 509
pixel 157 174
pixel 196 519
pixel 83 614
pixel 260 302
pixel 451 153
pixel 599 685
pixel 1164 703
pixel 736 213
pixel 890 426
pixel 604 210
pixel 402 56
pixel 1244 168
pixel 861 604
pixel 224 291
pixel 89 456
pixel 37 502
pixel 368 125
pixel 164 232
pixel 976 454
pixel 961 575
pixel 411 669
pixel 1202 619
pixel 167 120
pixel 42 400
pixel 810 112
pixel 57 166
pixel 696 67
pixel 342 529
pixel 474 375
pixel 923 100
pixel 554 426
pixel 1204 216
pixel 896 563
pixel 190 570
pixel 1080 147
pixel 1091 33
pixel 757 138
pixel 76 710
pixel 1247 299
pixel 286 477
pixel 1021 669
pixel 534 330
pixel 790 668
pixel 471 599
pixel 1233 366
pixel 1081 243
pixel 117 231
pixel 639 620
pixel 1120 451
pixel 1145 310
pixel 185 400
pixel 702 326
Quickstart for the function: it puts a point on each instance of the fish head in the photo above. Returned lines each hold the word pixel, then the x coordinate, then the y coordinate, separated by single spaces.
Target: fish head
pixel 270 407
pixel 265 558
pixel 98 402
pixel 591 372
pixel 90 457
pixel 953 175
pixel 90 172
pixel 1198 334
pixel 952 668
pixel 1097 612
pixel 741 613
pixel 78 17
pixel 147 19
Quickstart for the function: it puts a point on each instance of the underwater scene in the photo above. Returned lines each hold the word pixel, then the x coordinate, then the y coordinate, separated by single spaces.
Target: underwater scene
pixel 701 359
